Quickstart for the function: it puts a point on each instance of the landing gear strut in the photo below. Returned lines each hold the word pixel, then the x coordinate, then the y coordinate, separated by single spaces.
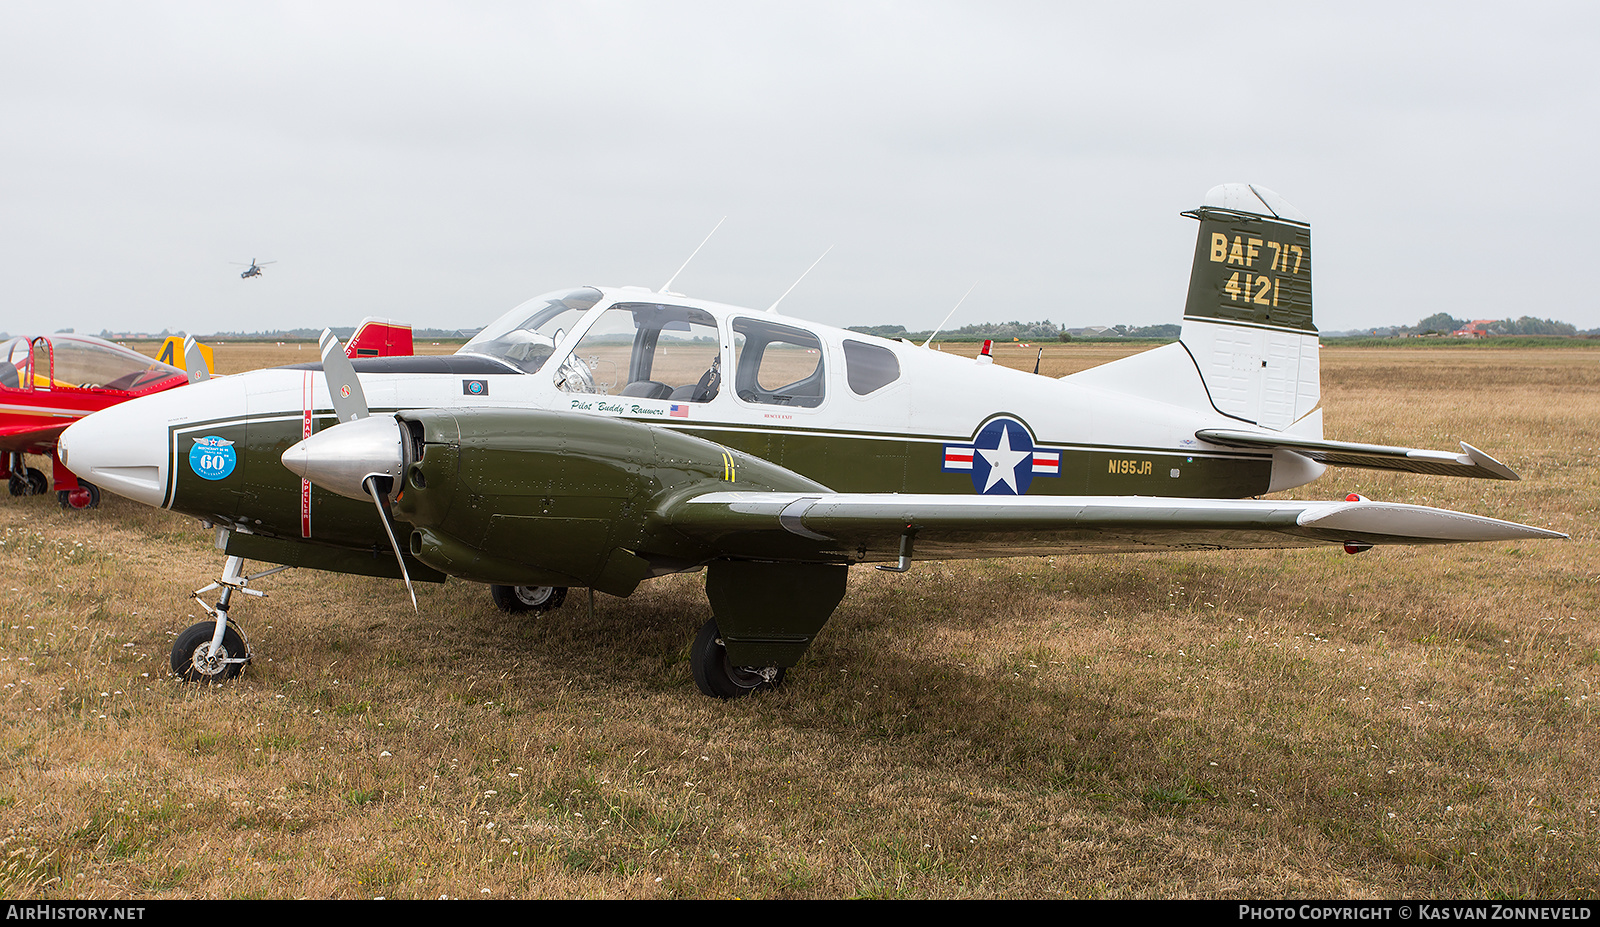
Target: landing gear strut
pixel 24 480
pixel 211 651
pixel 718 678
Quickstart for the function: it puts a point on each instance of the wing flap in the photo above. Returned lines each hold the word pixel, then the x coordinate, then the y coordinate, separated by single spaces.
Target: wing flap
pixel 869 526
pixel 1471 462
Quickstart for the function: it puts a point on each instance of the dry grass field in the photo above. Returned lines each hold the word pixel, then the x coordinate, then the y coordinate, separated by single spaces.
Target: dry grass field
pixel 1406 723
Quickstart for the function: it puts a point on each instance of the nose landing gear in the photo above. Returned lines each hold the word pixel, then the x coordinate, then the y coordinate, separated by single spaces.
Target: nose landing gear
pixel 212 651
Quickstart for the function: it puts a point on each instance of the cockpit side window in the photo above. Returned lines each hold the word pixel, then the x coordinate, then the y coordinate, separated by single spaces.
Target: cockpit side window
pixel 777 364
pixel 526 336
pixel 647 351
pixel 869 367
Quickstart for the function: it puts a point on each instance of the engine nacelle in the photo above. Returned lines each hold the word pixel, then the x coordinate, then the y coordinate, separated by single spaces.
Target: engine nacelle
pixel 524 497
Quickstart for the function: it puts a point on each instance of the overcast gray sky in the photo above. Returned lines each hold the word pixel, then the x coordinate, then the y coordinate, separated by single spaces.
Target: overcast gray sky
pixel 440 162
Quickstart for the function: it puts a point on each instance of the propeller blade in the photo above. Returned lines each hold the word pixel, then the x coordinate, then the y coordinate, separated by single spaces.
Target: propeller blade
pixel 193 361
pixel 370 484
pixel 349 402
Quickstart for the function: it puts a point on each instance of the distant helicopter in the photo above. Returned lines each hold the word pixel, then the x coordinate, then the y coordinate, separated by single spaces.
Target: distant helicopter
pixel 254 269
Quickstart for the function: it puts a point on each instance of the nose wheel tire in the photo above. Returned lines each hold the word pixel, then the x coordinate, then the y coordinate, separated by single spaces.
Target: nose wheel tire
pixel 194 661
pixel 716 677
pixel 86 496
pixel 536 599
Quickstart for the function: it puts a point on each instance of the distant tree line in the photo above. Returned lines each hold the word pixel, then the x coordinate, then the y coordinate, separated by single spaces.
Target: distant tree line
pixel 1442 323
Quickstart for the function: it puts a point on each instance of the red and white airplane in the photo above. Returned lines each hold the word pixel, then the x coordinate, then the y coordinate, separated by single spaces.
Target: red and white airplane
pixel 51 381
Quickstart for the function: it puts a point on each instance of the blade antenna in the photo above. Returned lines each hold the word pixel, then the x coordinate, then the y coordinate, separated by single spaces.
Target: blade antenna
pixel 666 286
pixel 774 306
pixel 952 312
pixel 370 484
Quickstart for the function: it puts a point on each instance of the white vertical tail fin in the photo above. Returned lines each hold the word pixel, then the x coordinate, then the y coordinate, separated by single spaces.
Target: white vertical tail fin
pixel 1248 348
pixel 1247 322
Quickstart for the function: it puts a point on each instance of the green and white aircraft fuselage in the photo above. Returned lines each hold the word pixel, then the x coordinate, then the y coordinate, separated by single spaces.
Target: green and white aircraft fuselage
pixel 600 436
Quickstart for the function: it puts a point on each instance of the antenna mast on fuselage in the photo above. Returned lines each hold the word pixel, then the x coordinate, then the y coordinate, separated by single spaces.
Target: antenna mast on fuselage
pixel 952 312
pixel 774 306
pixel 668 285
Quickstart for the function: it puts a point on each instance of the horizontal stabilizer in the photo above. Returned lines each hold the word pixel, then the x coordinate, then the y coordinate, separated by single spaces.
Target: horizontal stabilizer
pixel 1470 462
pixel 870 526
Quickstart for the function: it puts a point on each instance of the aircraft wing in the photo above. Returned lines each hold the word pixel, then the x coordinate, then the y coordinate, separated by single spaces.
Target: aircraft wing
pixel 1470 462
pixel 869 526
pixel 21 436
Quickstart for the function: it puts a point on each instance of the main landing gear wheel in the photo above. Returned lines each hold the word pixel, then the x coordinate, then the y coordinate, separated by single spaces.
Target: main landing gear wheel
pixel 716 677
pixel 86 496
pixel 536 599
pixel 193 660
pixel 31 484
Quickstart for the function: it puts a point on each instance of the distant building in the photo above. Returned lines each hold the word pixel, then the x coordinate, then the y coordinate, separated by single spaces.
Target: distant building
pixel 1478 329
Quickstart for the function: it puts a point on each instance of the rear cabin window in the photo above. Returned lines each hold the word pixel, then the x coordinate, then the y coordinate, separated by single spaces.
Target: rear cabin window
pixel 869 367
pixel 777 364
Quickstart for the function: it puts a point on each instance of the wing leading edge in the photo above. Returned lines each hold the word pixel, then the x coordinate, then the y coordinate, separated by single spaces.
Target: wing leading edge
pixel 871 526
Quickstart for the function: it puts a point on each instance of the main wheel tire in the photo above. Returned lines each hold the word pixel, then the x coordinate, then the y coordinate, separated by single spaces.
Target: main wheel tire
pixel 536 599
pixel 191 652
pixel 716 677
pixel 30 483
pixel 86 496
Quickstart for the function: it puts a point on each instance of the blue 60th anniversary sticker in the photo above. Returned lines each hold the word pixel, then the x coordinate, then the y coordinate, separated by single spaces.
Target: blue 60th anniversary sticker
pixel 212 458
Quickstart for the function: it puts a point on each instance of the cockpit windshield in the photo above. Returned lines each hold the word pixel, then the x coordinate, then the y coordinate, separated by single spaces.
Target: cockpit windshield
pixel 82 361
pixel 526 336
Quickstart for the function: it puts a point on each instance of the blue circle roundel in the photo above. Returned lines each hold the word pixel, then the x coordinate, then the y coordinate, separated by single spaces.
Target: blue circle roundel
pixel 1002 458
pixel 212 458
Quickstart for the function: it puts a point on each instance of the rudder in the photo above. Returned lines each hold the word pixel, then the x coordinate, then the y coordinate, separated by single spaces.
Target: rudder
pixel 1247 322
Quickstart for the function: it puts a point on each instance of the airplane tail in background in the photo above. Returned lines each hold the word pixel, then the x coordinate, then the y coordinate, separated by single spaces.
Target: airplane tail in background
pixel 1247 323
pixel 380 338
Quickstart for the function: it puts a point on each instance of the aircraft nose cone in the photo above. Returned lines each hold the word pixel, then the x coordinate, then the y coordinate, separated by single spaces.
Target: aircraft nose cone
pixel 122 449
pixel 339 459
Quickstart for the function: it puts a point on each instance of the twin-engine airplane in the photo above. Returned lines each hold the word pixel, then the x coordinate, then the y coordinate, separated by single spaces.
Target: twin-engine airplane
pixel 602 436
